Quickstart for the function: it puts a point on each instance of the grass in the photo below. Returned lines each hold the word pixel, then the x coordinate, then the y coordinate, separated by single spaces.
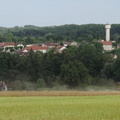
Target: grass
pixel 60 107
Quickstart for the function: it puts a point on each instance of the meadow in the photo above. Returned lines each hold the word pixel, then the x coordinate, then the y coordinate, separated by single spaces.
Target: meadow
pixel 72 105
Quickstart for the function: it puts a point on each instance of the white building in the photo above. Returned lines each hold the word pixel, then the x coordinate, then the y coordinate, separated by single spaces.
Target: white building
pixel 107 45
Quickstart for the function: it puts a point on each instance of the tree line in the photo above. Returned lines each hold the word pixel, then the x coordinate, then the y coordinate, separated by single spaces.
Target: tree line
pixel 76 66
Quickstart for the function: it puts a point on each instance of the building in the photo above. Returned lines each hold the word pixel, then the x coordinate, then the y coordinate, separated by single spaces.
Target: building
pixel 43 49
pixel 107 45
pixel 70 43
pixel 7 44
pixel 20 45
pixel 60 48
pixel 107 27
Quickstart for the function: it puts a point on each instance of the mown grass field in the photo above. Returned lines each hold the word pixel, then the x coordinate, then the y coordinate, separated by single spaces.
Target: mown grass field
pixel 59 106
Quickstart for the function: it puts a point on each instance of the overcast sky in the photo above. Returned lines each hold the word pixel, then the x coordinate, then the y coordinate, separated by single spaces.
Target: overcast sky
pixel 58 12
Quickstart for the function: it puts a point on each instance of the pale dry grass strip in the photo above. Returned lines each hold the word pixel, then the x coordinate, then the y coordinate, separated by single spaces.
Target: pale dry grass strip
pixel 57 93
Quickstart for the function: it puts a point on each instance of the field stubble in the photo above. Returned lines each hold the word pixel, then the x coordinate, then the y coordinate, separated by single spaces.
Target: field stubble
pixel 57 93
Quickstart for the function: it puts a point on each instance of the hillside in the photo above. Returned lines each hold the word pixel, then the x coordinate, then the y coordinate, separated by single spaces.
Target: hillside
pixel 35 34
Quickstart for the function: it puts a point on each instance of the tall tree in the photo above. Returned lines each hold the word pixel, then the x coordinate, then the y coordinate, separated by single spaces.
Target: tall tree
pixel 73 73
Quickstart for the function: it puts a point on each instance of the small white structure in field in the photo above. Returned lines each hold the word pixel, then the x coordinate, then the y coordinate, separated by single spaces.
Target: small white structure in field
pixel 3 86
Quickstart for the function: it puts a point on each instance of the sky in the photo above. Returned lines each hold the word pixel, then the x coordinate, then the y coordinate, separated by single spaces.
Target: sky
pixel 58 12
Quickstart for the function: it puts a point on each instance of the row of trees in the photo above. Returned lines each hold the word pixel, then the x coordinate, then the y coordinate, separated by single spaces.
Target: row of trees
pixel 33 34
pixel 83 65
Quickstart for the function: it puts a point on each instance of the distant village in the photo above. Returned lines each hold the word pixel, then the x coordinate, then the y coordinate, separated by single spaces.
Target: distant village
pixel 24 50
pixel 45 47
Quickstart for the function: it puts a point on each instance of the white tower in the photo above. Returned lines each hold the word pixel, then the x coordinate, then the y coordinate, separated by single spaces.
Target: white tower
pixel 107 27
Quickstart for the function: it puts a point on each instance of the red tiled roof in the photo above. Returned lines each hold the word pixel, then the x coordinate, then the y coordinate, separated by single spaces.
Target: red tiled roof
pixel 37 48
pixel 1 44
pixel 106 42
pixel 6 44
pixel 9 43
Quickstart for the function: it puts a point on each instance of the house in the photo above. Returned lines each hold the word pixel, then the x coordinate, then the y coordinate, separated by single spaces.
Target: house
pixel 70 43
pixel 1 45
pixel 29 45
pixel 43 49
pixel 107 45
pixel 74 43
pixel 22 52
pixel 60 48
pixel 66 43
pixel 20 45
pixel 8 44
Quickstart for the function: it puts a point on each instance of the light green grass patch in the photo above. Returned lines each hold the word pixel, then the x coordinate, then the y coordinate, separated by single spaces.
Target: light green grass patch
pixel 60 108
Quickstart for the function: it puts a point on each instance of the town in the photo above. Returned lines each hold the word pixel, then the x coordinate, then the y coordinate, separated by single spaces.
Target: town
pixel 22 49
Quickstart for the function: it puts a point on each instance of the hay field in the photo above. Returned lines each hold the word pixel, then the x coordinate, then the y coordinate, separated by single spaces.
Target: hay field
pixel 64 105
pixel 57 93
pixel 60 108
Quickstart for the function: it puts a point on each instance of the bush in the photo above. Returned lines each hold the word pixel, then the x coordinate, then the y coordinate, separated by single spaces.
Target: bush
pixel 21 85
pixel 41 82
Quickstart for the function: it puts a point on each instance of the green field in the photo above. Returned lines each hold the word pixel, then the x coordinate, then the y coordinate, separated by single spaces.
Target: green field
pixel 60 108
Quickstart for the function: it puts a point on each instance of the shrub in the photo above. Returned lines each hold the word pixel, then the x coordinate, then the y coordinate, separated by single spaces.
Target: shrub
pixel 41 82
pixel 21 85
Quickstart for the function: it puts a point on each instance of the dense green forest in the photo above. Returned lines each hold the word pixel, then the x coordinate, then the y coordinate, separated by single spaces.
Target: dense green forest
pixel 75 67
pixel 34 34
